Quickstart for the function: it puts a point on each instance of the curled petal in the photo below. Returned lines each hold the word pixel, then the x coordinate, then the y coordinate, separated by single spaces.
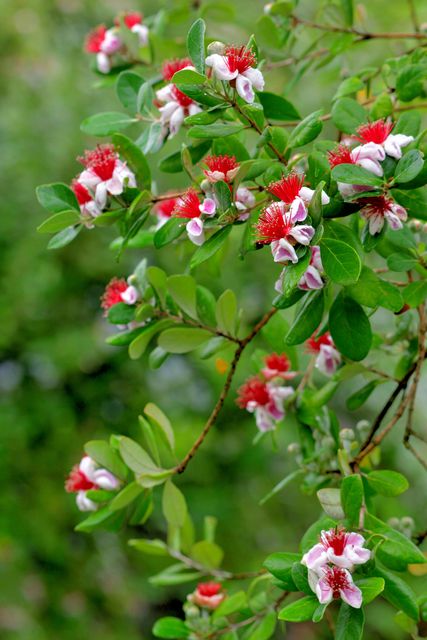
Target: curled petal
pixel 176 120
pixel 315 558
pixel 311 279
pixel 307 195
pixel 142 32
pixel 303 233
pixel 244 88
pixel 220 67
pixel 165 93
pixel 103 62
pixel 352 596
pixel 130 295
pixel 88 467
pixel 111 43
pixel 298 210
pixel 255 77
pixel 208 207
pixel 394 143
pixel 106 480
pixel 324 592
pixel 84 503
pixel 283 251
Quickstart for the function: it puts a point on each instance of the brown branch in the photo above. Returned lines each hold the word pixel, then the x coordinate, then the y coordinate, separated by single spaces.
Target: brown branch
pixel 215 573
pixel 364 35
pixel 226 388
pixel 198 325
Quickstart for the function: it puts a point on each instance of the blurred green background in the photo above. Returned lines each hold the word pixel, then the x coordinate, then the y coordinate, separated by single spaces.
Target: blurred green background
pixel 60 385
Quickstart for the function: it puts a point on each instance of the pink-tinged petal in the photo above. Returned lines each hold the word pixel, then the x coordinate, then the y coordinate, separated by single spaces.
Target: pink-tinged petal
pixel 208 207
pixel 89 179
pixel 393 220
pixel 142 32
pixel 399 211
pixel 245 197
pixel 276 412
pixel 328 360
pixel 302 233
pixel 307 195
pixel 316 260
pixel 175 122
pixel 339 560
pixel 220 67
pixel 255 77
pixel 324 592
pixel 244 88
pixel 167 111
pixel 106 480
pixel 114 186
pixel 278 285
pixel 111 43
pixel 357 555
pixel 263 420
pixel 297 210
pixel 103 62
pixel 215 176
pixel 315 558
pixel 355 539
pixel 165 93
pixel 370 150
pixel 232 173
pixel 84 503
pixel 283 251
pixel 130 295
pixel 346 190
pixel 352 596
pixel 88 466
pixel 193 109
pixel 311 279
pixel 313 578
pixel 394 143
pixel 372 166
pixel 376 223
pixel 195 226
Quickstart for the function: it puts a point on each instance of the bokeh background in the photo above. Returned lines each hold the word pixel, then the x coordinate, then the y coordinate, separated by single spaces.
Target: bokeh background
pixel 60 385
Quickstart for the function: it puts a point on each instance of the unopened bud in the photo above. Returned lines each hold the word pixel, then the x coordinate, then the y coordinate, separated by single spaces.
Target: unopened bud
pixel 347 434
pixel 294 448
pixel 132 280
pixel 191 611
pixel 216 47
pixel 205 185
pixel 328 442
pixel 407 526
pixel 362 426
pixel 394 522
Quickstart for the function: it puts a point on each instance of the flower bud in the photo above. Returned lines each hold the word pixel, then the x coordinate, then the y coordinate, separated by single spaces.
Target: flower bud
pixel 294 448
pixel 394 522
pixel 267 8
pixel 362 427
pixel 407 526
pixel 205 186
pixel 216 47
pixel 347 434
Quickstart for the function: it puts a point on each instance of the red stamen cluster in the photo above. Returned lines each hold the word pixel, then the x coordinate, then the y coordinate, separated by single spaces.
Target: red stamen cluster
pixel 188 205
pixel 240 59
pixel 287 188
pixel 277 362
pixel 340 155
pixel 253 390
pixel 181 98
pixel 130 19
pixel 166 207
pixel 82 194
pixel 170 67
pixel 271 225
pixel 376 205
pixel 112 293
pixel 95 38
pixel 208 589
pixel 223 163
pixel 376 131
pixel 315 342
pixel 337 579
pixel 101 161
pixel 77 481
pixel 336 539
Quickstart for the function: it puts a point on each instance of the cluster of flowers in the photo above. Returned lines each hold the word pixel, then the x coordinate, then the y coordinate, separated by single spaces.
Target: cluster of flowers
pixel 264 394
pixel 88 476
pixel 237 66
pixel 107 45
pixel 376 142
pixel 104 175
pixel 189 206
pixel 172 103
pixel 279 223
pixel 330 563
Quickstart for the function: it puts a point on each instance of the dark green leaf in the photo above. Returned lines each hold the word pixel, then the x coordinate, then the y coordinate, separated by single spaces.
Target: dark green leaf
pixel 307 130
pixel 350 328
pixel 57 197
pixel 59 222
pixel 399 593
pixel 353 174
pixel 170 628
pixel 134 158
pixel 127 87
pixel 347 115
pixel 183 340
pixel 196 44
pixel 299 611
pixel 169 232
pixel 105 124
pixel 307 318
pixel 215 130
pixel 350 623
pixel 276 107
pixel 387 483
pixel 340 261
pixel 352 498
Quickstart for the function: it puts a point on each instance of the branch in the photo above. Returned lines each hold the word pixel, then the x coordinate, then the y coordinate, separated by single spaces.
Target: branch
pixel 198 325
pixel 226 388
pixel 364 35
pixel 215 573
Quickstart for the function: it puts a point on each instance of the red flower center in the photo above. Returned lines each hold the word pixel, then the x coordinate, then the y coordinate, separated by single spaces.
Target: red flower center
pixel 208 589
pixel 277 362
pixel 314 343
pixel 287 188
pixel 375 205
pixel 112 293
pixel 101 161
pixel 335 539
pixel 188 205
pixel 254 390
pixel 181 98
pixel 376 131
pixel 340 155
pixel 131 19
pixel 95 38
pixel 337 579
pixel 272 225
pixel 77 481
pixel 170 67
pixel 82 194
pixel 223 163
pixel 240 59
pixel 166 207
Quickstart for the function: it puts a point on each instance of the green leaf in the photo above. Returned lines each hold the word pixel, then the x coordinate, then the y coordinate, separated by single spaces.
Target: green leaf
pixel 157 416
pixel 215 130
pixel 415 293
pixel 315 207
pixel 357 399
pixel 350 623
pixel 135 457
pixel 196 44
pixel 105 124
pixel 175 575
pixel 103 518
pixel 300 578
pixel 173 162
pixel 183 291
pixel 173 505
pixel 371 291
pixel 207 553
pixel 265 628
pixel 399 593
pixel 104 455
pixel 413 200
pixel 348 12
pixel 352 498
pixel 340 261
pixel 349 86
pixel 59 221
pixel 210 247
pixel 226 312
pixel 280 564
pixel 276 107
pixel 397 551
pixel 330 499
pixel 222 196
pixel 409 166
pixel 188 76
pixel 401 262
pixel 170 628
pixel 409 123
pixel 206 302
pixel 126 496
pixel 307 318
pixel 307 130
pixel 64 237
pixel 300 610
pixel 140 343
pixel 353 174
pixel 128 85
pixel 168 232
pixel 134 158
pixel 150 547
pixel 121 313
pixel 347 115
pixel 350 328
pixel 410 82
pixel 57 197
pixel 370 588
pixel 231 604
pixel 182 339
pixel 387 483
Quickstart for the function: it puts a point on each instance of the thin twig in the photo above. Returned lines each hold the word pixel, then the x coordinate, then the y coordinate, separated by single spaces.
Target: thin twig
pixel 365 35
pixel 198 325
